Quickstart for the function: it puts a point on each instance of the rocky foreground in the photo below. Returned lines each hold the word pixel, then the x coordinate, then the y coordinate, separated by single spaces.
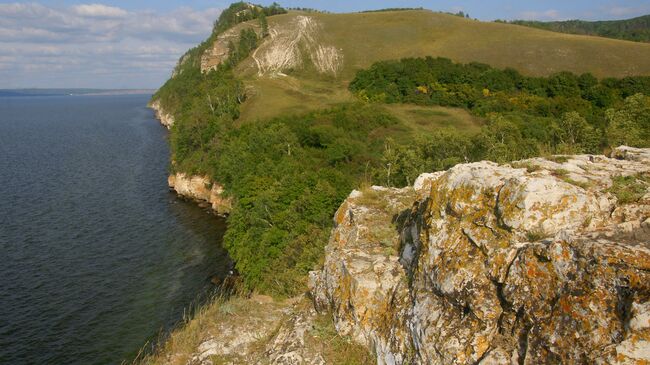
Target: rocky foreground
pixel 542 261
pixel 537 262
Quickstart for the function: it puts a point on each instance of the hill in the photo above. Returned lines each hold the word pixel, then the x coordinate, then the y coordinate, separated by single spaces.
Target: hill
pixel 284 113
pixel 315 55
pixel 289 111
pixel 635 29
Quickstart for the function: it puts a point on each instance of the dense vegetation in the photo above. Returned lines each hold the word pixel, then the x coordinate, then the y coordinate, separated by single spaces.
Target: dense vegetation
pixel 288 175
pixel 526 116
pixel 241 12
pixel 636 29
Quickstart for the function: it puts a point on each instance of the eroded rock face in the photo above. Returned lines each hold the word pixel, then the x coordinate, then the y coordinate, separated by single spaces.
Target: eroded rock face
pixel 530 263
pixel 291 45
pixel 202 190
pixel 165 119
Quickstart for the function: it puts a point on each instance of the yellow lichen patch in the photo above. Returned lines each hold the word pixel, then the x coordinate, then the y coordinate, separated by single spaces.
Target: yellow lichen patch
pixel 341 213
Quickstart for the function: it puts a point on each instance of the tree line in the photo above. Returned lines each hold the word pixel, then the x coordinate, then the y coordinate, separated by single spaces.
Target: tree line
pixel 525 116
pixel 635 29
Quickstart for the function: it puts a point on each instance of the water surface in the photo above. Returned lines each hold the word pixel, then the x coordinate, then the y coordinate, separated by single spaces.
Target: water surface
pixel 96 255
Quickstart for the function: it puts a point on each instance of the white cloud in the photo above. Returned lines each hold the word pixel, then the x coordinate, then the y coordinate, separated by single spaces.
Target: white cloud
pixel 626 11
pixel 99 10
pixel 550 14
pixel 94 45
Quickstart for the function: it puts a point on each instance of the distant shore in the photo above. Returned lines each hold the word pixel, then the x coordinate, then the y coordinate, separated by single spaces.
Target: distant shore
pixel 72 92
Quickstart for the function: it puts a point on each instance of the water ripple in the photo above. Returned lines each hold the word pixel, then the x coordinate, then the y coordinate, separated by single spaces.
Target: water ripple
pixel 96 256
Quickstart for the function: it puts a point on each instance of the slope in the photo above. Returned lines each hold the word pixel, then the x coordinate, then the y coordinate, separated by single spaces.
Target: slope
pixel 309 58
pixel 635 29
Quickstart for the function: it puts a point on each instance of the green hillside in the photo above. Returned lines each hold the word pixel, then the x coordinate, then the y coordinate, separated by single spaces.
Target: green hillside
pixel 635 29
pixel 365 38
pixel 291 111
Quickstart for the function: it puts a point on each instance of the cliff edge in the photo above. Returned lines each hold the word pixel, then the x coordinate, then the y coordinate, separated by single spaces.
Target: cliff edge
pixel 541 261
pixel 166 119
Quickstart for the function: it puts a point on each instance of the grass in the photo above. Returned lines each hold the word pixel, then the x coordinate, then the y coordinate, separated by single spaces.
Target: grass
pixel 558 159
pixel 630 189
pixel 369 37
pixel 335 348
pixel 561 173
pixel 182 343
pixel 535 235
pixel 426 119
pixel 582 184
pixel 365 38
pixel 221 314
pixel 527 165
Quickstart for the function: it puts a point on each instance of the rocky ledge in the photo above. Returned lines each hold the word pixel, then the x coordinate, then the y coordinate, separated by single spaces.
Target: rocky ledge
pixel 542 261
pixel 202 190
pixel 165 119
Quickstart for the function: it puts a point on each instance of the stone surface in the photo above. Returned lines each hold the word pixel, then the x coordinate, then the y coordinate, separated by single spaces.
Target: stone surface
pixel 529 263
pixel 236 340
pixel 202 190
pixel 262 332
pixel 289 45
pixel 165 119
pixel 218 52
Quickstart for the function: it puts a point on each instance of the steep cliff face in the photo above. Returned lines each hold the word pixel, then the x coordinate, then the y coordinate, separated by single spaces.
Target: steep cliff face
pixel 198 188
pixel 165 118
pixel 536 262
pixel 201 189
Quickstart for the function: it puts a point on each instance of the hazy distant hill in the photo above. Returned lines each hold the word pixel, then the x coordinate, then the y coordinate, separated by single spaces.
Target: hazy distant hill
pixel 635 29
pixel 58 92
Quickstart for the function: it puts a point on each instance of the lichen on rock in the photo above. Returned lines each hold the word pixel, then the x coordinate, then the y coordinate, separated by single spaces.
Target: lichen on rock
pixel 496 264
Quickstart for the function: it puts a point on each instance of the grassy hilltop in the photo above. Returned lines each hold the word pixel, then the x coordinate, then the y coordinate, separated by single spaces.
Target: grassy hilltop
pixel 290 111
pixel 365 38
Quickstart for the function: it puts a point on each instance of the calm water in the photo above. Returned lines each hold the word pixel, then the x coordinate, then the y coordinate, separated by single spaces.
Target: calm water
pixel 96 256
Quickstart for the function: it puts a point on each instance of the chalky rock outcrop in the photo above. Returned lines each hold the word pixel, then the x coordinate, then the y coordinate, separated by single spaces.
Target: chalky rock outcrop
pixel 202 190
pixel 535 262
pixel 165 118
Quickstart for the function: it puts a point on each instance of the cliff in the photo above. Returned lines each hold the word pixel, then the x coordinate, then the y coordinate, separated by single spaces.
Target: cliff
pixel 165 118
pixel 542 261
pixel 202 190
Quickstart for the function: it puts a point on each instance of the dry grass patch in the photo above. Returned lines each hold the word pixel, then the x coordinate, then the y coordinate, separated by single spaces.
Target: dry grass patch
pixel 630 189
pixel 216 319
pixel 337 349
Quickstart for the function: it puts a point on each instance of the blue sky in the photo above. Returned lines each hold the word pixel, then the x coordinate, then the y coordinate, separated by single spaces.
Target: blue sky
pixel 135 43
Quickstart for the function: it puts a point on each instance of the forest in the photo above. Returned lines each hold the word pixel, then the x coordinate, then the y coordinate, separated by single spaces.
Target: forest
pixel 525 116
pixel 635 29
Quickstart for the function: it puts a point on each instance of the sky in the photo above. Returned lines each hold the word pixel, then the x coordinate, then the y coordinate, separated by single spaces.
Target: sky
pixel 136 43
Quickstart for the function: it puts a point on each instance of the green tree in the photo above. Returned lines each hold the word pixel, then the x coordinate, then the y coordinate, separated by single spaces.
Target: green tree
pixel 630 125
pixel 264 25
pixel 501 140
pixel 576 135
